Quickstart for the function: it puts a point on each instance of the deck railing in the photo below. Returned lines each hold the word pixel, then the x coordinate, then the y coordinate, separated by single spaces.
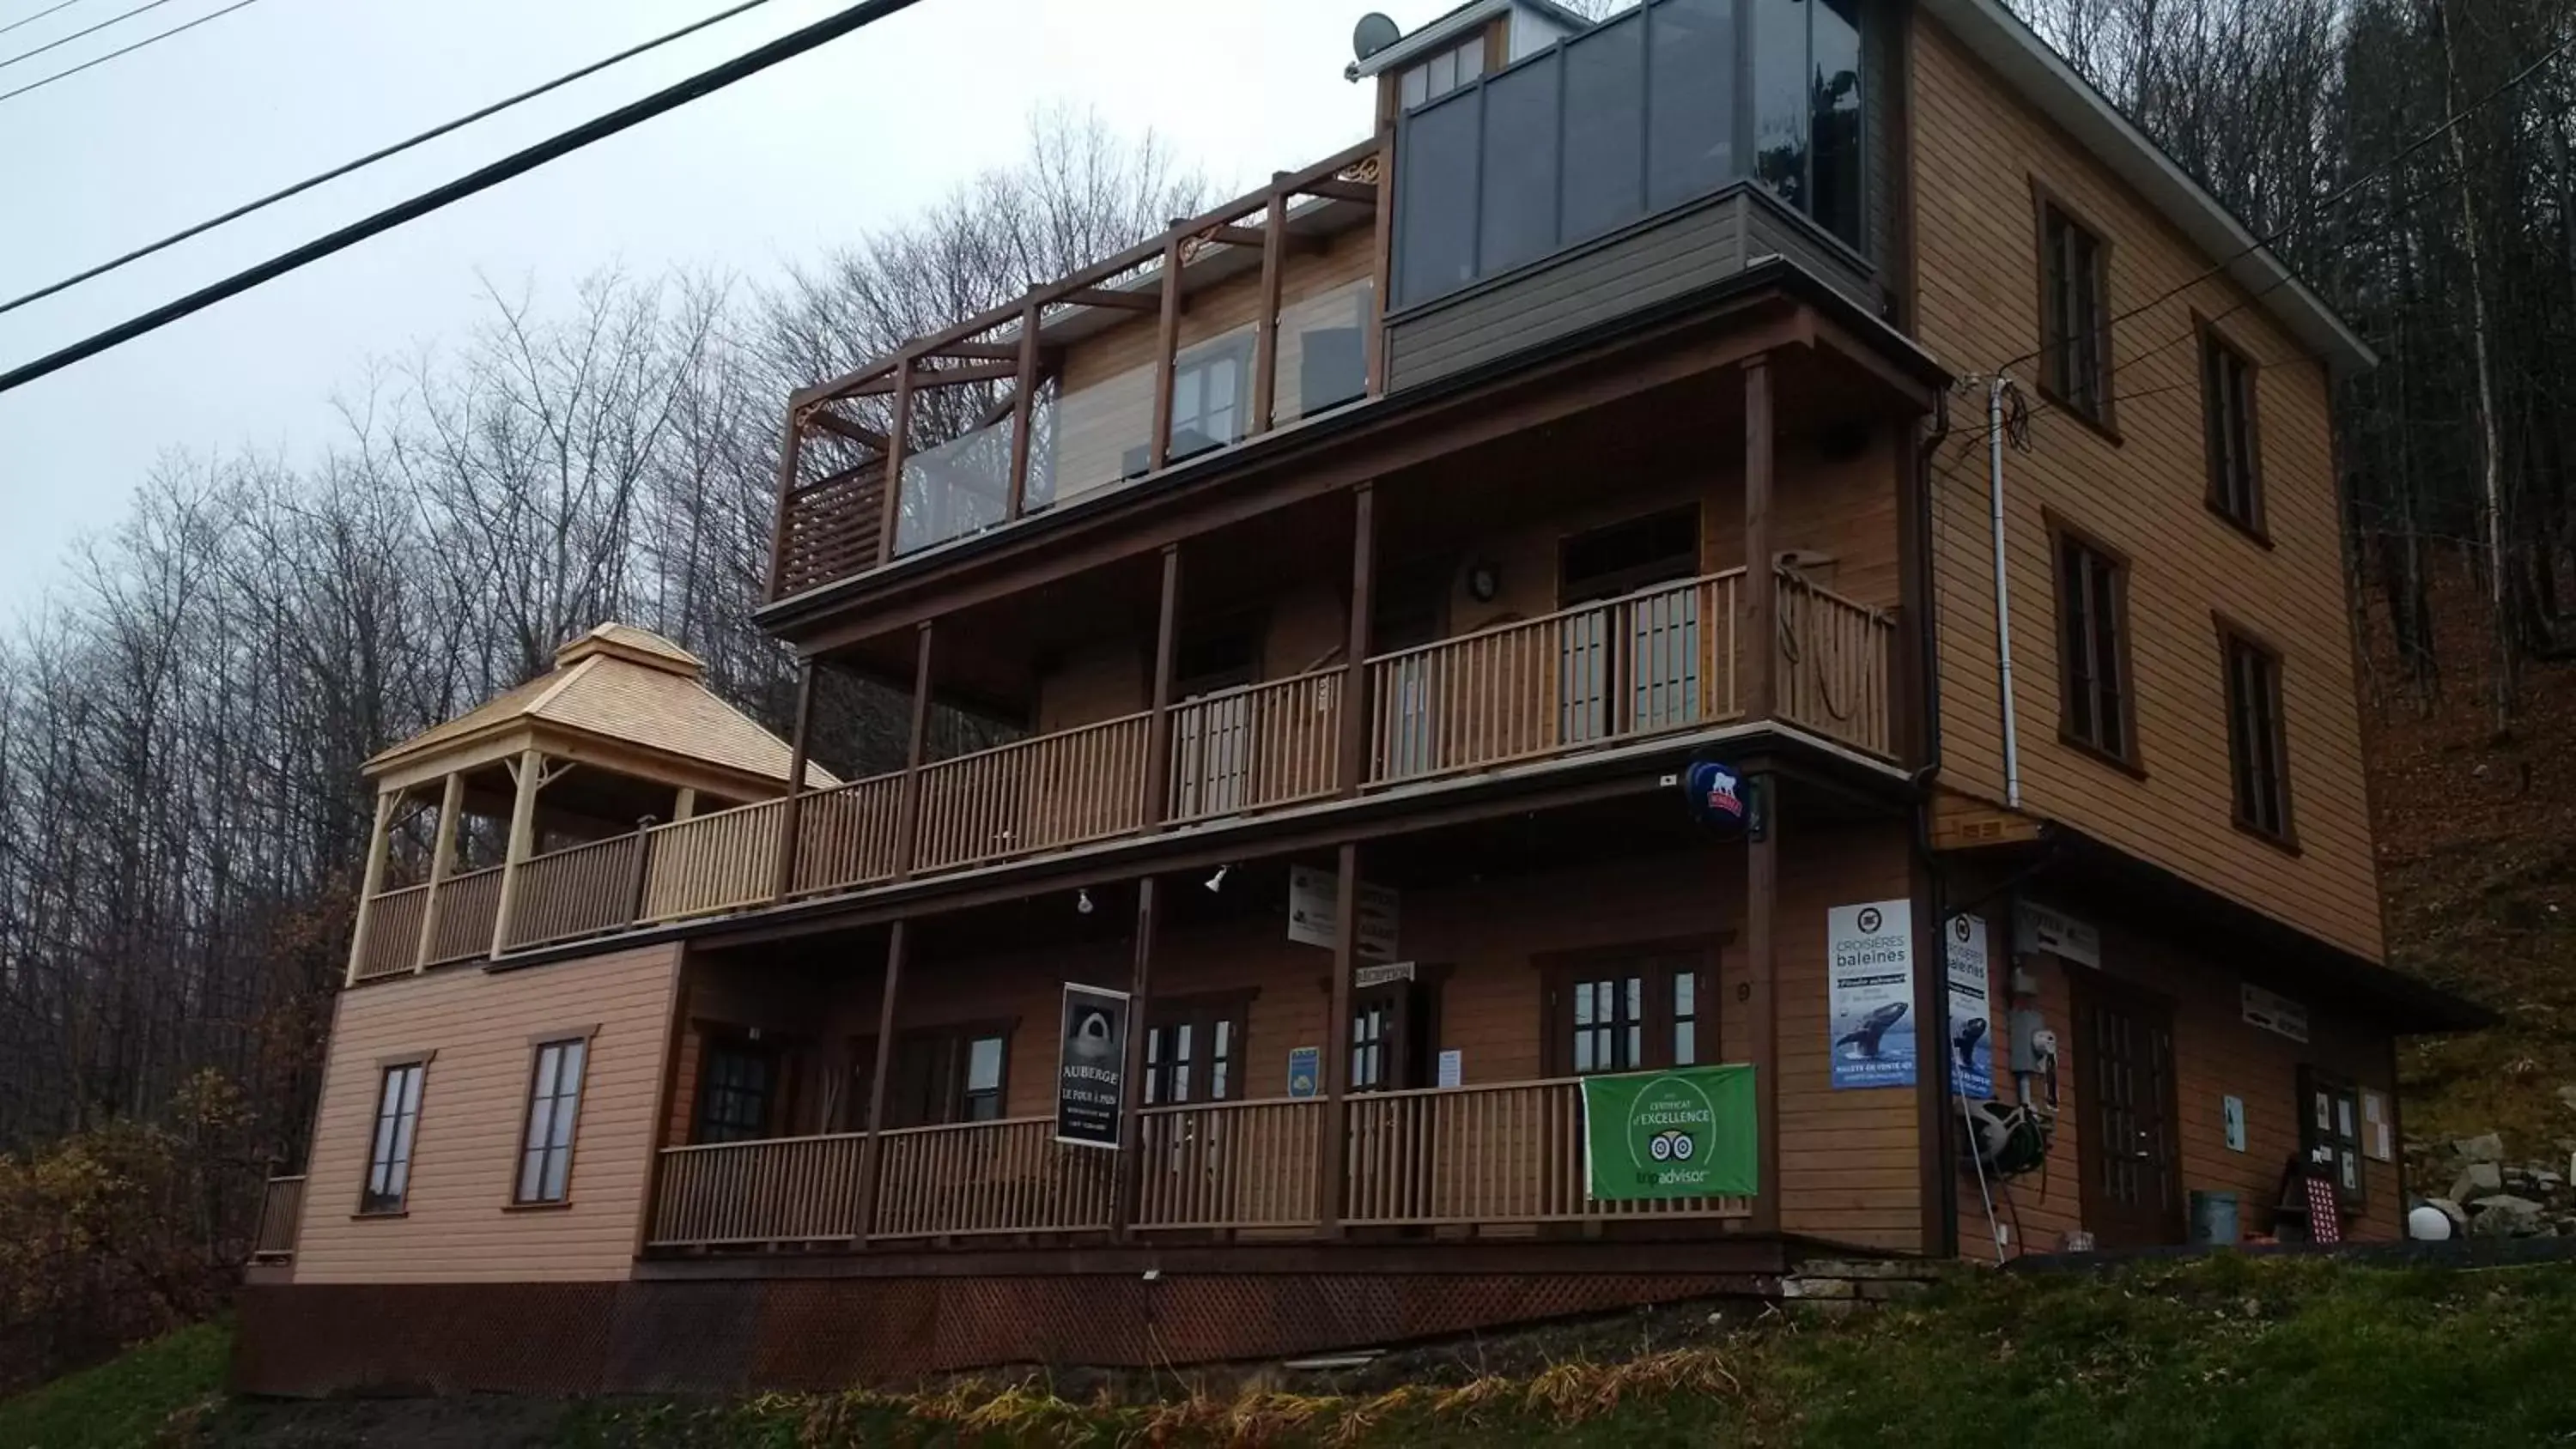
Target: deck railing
pixel 845 836
pixel 578 891
pixel 1662 659
pixel 714 862
pixel 981 1178
pixel 461 920
pixel 1229 1165
pixel 1505 1154
pixel 1256 747
pixel 780 1190
pixel 389 945
pixel 1037 794
pixel 1833 666
pixel 281 1212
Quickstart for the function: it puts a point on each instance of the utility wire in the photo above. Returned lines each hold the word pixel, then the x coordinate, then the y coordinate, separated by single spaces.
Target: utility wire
pixel 153 39
pixel 39 15
pixel 562 144
pixel 372 157
pixel 77 34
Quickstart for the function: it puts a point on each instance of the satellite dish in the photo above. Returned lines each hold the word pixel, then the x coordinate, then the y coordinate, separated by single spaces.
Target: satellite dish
pixel 1374 33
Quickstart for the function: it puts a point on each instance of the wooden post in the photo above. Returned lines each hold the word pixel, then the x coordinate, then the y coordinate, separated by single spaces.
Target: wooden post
pixel 899 426
pixel 791 449
pixel 908 813
pixel 1265 352
pixel 1158 730
pixel 1140 986
pixel 1384 281
pixel 1354 744
pixel 684 806
pixel 792 815
pixel 372 878
pixel 1335 1139
pixel 528 772
pixel 1167 345
pixel 1761 662
pixel 1023 403
pixel 639 871
pixel 870 1150
pixel 1761 999
pixel 451 798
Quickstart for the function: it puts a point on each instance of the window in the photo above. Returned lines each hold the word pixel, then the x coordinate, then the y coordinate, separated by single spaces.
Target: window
pixel 2257 742
pixel 1208 389
pixel 1429 80
pixel 2227 412
pixel 1628 1010
pixel 2074 339
pixel 554 1102
pixel 397 1123
pixel 948 1074
pixel 734 1093
pixel 2093 651
pixel 2330 1130
pixel 1194 1050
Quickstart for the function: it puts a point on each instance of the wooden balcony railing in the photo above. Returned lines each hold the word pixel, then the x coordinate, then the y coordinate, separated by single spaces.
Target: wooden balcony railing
pixel 1256 747
pixel 781 1190
pixel 845 836
pixel 580 891
pixel 715 862
pixel 1229 1165
pixel 1834 666
pixel 389 945
pixel 461 920
pixel 1663 659
pixel 1038 794
pixel 1505 1154
pixel 281 1212
pixel 981 1178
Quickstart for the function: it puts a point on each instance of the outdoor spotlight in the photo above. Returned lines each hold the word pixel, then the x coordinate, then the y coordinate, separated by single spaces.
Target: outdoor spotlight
pixel 1216 882
pixel 1082 901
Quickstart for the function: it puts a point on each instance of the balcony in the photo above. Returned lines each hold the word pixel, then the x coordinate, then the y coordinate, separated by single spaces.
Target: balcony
pixel 1661 662
pixel 1504 1156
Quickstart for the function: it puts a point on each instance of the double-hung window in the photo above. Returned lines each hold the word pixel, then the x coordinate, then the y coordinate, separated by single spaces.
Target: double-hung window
pixel 554 1104
pixel 388 1188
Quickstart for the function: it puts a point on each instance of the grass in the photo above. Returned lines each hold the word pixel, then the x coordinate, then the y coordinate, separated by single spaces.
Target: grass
pixel 2222 1352
pixel 148 1396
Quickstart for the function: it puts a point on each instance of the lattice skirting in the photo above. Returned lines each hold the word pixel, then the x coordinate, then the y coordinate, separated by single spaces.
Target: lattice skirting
pixel 738 1335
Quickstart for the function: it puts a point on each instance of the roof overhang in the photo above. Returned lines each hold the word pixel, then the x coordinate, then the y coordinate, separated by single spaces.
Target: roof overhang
pixel 2016 52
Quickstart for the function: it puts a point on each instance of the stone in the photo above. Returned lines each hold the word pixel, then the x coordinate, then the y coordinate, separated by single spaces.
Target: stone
pixel 1822 1287
pixel 2504 1216
pixel 2567 1096
pixel 2449 1208
pixel 2487 1147
pixel 2477 1179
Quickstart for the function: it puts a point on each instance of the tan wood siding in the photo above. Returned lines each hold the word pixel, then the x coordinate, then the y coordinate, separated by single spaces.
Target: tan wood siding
pixel 1976 153
pixel 458 1223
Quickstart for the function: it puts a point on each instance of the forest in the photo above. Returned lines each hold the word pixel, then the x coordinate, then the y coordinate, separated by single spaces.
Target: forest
pixel 183 718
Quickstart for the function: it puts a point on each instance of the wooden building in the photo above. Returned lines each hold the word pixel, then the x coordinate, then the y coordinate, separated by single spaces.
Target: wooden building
pixel 1342 586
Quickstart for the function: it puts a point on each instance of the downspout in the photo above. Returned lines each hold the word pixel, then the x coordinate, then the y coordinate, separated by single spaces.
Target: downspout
pixel 1995 387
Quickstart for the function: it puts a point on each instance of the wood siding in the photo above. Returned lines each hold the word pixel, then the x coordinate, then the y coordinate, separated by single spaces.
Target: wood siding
pixel 1652 261
pixel 2216 1055
pixel 458 1223
pixel 1977 154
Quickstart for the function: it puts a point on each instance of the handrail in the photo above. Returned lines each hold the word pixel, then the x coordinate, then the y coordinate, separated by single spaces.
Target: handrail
pixel 1088 785
pixel 1591 607
pixel 1255 746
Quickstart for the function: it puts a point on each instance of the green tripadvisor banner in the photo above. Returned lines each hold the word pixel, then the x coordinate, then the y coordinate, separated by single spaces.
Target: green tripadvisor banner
pixel 1687 1132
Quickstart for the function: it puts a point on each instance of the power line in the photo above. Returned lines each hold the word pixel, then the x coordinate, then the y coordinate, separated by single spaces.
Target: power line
pixel 39 15
pixel 77 34
pixel 704 83
pixel 153 39
pixel 372 157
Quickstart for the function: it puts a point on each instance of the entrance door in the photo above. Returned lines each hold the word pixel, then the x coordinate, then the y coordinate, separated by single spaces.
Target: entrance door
pixel 1385 1054
pixel 2128 1149
pixel 1392 1153
pixel 1652 646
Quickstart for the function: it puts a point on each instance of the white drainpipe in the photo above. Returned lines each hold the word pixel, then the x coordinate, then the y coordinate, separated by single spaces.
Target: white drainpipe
pixel 2003 602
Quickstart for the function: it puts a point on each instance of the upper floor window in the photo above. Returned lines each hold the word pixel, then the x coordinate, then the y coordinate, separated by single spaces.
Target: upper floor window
pixel 2093 650
pixel 1192 1051
pixel 2258 744
pixel 554 1102
pixel 397 1123
pixel 1630 1010
pixel 735 1092
pixel 948 1074
pixel 2227 413
pixel 1429 80
pixel 2075 343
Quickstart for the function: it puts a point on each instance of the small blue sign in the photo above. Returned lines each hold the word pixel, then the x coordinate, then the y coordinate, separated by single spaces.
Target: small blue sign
pixel 1714 793
pixel 1305 1071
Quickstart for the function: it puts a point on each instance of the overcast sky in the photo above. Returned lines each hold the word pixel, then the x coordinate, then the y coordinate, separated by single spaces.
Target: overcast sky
pixel 778 167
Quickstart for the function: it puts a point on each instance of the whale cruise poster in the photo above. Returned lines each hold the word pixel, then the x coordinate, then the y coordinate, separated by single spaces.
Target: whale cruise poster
pixel 1870 1011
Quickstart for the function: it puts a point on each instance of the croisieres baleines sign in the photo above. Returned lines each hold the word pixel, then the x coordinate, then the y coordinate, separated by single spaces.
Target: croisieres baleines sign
pixel 1091 1066
pixel 1870 971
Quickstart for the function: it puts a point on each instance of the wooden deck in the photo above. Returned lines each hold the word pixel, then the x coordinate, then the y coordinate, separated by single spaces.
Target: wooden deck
pixel 1664 660
pixel 1503 1156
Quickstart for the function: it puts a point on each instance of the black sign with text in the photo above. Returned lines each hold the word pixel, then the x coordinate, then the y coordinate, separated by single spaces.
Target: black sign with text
pixel 1091 1066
